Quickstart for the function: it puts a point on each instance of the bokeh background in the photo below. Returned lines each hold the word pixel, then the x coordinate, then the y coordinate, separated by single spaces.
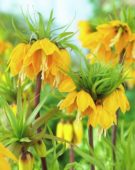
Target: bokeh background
pixel 66 11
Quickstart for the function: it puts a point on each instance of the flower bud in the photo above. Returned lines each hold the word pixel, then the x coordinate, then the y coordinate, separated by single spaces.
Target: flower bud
pixel 40 148
pixel 59 130
pixel 78 131
pixel 68 132
pixel 26 161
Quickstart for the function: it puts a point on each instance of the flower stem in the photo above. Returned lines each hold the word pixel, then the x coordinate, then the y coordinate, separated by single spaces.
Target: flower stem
pixel 114 128
pixel 71 156
pixel 114 138
pixel 37 101
pixel 90 135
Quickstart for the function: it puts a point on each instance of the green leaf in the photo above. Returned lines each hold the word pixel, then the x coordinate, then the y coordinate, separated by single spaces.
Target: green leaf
pixel 31 118
pixel 10 115
pixel 26 139
pixel 41 25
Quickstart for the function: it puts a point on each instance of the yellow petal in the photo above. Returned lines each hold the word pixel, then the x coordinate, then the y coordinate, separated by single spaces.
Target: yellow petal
pixel 4 165
pixel 17 58
pixel 59 130
pixel 30 71
pixel 64 60
pixel 105 118
pixel 88 111
pixel 6 153
pixel 71 108
pixel 93 119
pixel 123 101
pixel 78 131
pixel 110 103
pixel 67 85
pixel 69 100
pixel 84 100
pixel 36 46
pixel 48 47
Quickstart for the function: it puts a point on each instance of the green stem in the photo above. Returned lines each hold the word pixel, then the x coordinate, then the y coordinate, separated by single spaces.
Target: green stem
pixel 71 156
pixel 37 101
pixel 114 128
pixel 114 138
pixel 90 135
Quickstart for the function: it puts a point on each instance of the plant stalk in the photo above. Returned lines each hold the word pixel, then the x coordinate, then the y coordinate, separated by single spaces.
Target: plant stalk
pixel 114 128
pixel 114 138
pixel 71 156
pixel 90 135
pixel 37 101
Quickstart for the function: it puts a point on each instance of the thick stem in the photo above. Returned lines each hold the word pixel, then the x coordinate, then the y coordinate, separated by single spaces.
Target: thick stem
pixel 114 128
pixel 114 138
pixel 71 156
pixel 90 135
pixel 37 101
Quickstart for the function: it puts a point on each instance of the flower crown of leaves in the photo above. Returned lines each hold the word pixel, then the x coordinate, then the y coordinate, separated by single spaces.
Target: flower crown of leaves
pixel 98 79
pixel 38 29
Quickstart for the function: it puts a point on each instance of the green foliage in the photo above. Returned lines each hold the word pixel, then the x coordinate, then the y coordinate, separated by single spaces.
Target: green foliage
pixel 38 28
pixel 98 79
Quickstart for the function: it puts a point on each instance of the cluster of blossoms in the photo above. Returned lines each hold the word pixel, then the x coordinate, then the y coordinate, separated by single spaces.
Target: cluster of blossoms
pixel 40 56
pixel 97 97
pixel 108 41
pixel 70 131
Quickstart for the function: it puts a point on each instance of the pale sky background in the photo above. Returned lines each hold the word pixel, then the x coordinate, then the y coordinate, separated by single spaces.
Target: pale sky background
pixel 64 10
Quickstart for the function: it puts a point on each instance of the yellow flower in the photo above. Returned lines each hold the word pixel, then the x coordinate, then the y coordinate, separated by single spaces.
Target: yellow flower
pixel 102 117
pixel 17 58
pixel 81 101
pixel 78 131
pixel 26 161
pixel 105 115
pixel 39 57
pixel 68 132
pixel 5 153
pixel 116 33
pixel 84 30
pixel 59 130
pixel 42 56
pixel 113 35
pixel 57 65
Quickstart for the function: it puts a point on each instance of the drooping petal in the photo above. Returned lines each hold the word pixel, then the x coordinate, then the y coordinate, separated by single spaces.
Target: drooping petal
pixel 88 111
pixel 67 85
pixel 93 119
pixel 72 107
pixel 84 100
pixel 17 58
pixel 110 103
pixel 34 48
pixel 123 101
pixel 48 47
pixel 64 60
pixel 105 118
pixel 69 100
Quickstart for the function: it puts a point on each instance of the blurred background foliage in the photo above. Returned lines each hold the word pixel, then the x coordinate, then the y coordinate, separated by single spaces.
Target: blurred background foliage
pixel 58 156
